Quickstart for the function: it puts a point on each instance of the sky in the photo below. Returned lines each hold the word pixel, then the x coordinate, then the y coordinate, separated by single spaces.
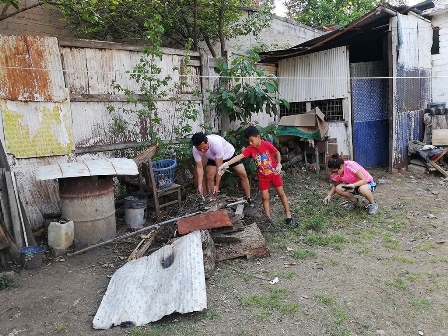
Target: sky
pixel 280 10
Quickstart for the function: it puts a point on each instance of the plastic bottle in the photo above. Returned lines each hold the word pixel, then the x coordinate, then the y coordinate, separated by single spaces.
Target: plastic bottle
pixel 61 234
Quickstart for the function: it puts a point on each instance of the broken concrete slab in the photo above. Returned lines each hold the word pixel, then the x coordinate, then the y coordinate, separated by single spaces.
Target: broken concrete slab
pixel 205 221
pixel 146 289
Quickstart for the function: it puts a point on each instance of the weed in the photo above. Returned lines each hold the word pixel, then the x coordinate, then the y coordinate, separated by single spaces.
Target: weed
pixel 397 283
pixel 324 299
pixel 414 277
pixel 390 242
pixel 303 254
pixel 332 240
pixel 60 326
pixel 426 246
pixel 6 283
pixel 211 314
pixel 316 223
pixel 435 260
pixel 420 303
pixel 404 259
pixel 274 301
pixel 334 262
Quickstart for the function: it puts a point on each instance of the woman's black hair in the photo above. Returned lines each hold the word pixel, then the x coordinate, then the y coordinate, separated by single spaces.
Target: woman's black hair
pixel 251 131
pixel 335 161
pixel 198 138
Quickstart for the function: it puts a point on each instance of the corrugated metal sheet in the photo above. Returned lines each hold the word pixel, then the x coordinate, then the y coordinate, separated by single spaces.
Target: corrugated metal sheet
pixel 412 88
pixel 30 69
pixel 341 132
pixel 318 76
pixel 408 126
pixel 145 289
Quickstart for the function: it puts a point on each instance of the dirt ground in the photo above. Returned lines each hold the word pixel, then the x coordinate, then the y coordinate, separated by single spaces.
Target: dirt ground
pixel 339 273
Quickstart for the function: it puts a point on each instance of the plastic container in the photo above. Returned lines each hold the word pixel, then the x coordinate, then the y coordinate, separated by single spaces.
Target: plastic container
pixel 164 172
pixel 61 234
pixel 31 256
pixel 135 210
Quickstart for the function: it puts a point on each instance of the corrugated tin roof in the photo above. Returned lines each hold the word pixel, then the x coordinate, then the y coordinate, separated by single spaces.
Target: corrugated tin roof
pixel 117 166
pixel 374 23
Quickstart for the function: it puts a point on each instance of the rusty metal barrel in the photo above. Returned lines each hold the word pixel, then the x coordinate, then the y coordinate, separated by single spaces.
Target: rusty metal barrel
pixel 90 204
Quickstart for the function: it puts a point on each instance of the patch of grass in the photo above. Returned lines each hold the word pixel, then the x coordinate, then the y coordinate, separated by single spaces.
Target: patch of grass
pixel 365 251
pixel 324 299
pixel 303 254
pixel 404 259
pixel 435 260
pixel 426 246
pixel 273 301
pixel 60 326
pixel 334 262
pixel 211 314
pixel 390 242
pixel 332 240
pixel 397 283
pixel 414 277
pixel 164 329
pixel 6 283
pixel 420 303
pixel 316 223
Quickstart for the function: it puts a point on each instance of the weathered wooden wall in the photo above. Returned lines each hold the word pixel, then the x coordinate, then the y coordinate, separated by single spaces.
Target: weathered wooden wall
pixel 55 99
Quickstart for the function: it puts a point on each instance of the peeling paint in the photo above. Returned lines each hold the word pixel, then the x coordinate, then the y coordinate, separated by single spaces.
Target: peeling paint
pixel 52 136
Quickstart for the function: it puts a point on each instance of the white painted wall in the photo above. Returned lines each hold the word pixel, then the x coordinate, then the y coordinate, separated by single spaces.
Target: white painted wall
pixel 440 61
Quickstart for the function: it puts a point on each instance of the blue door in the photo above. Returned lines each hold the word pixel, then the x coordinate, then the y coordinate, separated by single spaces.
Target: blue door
pixel 370 100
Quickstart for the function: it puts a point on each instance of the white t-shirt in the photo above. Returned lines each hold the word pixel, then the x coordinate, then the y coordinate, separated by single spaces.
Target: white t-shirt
pixel 218 148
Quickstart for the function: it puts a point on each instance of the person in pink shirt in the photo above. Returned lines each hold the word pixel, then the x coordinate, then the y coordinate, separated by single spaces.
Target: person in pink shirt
pixel 267 160
pixel 349 180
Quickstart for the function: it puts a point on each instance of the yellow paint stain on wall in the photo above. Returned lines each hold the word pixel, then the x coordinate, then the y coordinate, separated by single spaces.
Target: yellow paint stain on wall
pixel 53 135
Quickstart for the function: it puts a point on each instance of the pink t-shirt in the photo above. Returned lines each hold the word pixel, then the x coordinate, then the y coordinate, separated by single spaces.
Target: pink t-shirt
pixel 218 148
pixel 350 170
pixel 263 157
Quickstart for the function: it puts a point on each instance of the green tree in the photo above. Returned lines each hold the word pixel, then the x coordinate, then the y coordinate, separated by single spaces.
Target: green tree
pixel 207 21
pixel 318 13
pixel 245 89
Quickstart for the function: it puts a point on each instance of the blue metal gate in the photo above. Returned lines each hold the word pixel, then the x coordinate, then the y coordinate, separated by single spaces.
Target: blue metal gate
pixel 370 98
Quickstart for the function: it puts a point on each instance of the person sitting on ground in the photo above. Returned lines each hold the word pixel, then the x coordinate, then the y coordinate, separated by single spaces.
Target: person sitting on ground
pixel 267 160
pixel 211 151
pixel 349 180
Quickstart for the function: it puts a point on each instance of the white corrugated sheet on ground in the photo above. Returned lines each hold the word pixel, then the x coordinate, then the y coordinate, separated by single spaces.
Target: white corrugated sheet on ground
pixel 117 166
pixel 142 291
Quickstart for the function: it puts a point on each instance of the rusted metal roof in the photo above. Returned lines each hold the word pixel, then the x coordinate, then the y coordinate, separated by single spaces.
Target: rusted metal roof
pixel 374 23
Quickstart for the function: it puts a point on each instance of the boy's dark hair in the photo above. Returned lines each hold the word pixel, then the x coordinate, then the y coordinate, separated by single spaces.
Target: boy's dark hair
pixel 251 131
pixel 198 138
pixel 335 161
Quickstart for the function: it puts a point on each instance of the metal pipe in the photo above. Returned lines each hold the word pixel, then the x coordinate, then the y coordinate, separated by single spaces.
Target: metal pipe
pixel 127 235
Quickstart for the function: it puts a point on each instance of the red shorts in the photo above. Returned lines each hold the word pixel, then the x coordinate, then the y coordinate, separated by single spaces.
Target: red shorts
pixel 265 181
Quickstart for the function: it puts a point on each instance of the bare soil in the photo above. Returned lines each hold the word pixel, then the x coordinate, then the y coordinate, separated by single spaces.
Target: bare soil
pixel 339 273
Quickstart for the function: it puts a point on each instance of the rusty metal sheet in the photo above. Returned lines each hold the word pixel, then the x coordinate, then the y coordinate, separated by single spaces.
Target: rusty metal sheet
pixel 31 69
pixel 205 221
pixel 33 129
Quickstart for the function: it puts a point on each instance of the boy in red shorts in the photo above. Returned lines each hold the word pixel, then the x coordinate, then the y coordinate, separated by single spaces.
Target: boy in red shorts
pixel 267 159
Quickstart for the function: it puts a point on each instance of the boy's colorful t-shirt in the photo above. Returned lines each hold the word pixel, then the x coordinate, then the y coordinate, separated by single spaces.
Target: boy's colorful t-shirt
pixel 350 170
pixel 263 157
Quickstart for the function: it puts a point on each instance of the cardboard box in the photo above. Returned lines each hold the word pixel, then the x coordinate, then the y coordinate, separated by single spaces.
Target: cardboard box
pixel 310 125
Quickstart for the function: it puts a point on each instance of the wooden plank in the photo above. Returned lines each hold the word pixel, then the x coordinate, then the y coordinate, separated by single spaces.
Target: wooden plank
pixel 3 240
pixel 87 97
pixel 13 206
pixel 168 287
pixel 4 203
pixel 440 137
pixel 205 221
pixel 110 147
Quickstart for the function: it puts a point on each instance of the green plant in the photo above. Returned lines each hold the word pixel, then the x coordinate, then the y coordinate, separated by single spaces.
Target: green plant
pixel 153 86
pixel 5 282
pixel 303 254
pixel 245 89
pixel 60 326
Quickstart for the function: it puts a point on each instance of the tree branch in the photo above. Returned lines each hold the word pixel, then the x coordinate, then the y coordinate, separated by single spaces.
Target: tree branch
pixel 23 9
